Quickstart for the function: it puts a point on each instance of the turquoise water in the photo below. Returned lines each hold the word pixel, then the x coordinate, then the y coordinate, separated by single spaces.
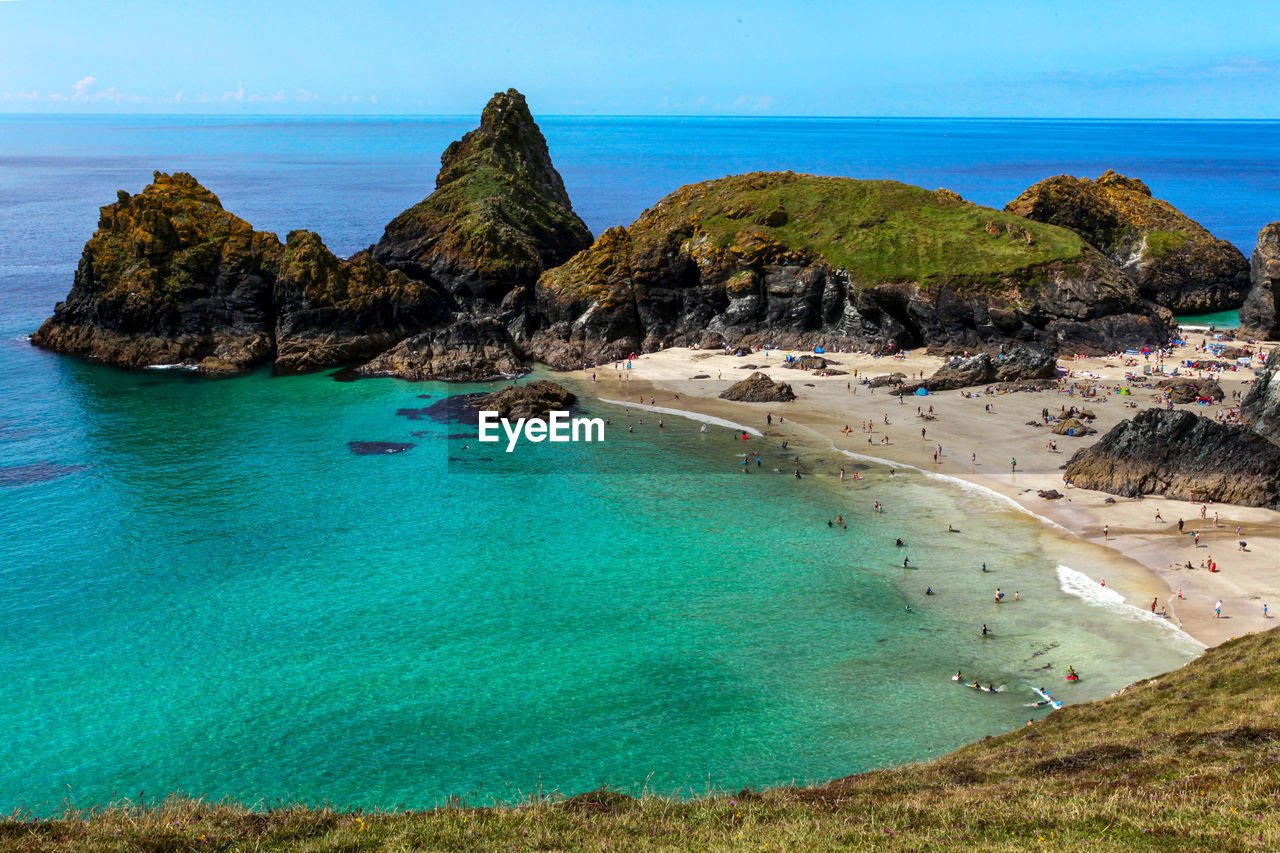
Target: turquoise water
pixel 207 591
pixel 1219 319
pixel 226 600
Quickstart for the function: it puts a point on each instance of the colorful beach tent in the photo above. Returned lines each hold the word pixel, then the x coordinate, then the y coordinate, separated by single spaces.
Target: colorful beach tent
pixel 922 392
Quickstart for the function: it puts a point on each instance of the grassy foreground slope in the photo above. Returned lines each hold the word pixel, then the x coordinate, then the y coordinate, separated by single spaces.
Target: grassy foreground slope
pixel 1185 761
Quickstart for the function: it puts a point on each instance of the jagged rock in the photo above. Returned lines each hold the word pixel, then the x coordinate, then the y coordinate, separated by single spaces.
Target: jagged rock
pixel 170 277
pixel 1260 410
pixel 758 388
pixel 499 215
pixel 1258 316
pixel 330 311
pixel 1173 259
pixel 1019 364
pixel 877 265
pixel 1181 390
pixel 532 400
pixel 1073 427
pixel 1184 457
pixel 469 350
pixel 1050 494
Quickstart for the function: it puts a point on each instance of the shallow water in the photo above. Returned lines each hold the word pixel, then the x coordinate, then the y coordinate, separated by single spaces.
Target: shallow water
pixel 209 591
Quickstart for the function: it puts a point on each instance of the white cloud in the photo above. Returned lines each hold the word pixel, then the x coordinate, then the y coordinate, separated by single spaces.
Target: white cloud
pixel 237 95
pixel 82 87
pixel 305 96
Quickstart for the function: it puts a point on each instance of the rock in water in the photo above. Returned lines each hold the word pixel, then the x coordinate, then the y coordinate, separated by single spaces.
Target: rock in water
pixel 532 400
pixel 1182 456
pixel 758 388
pixel 1258 316
pixel 1172 258
pixel 330 311
pixel 499 215
pixel 170 277
pixel 469 350
pixel 874 264
pixel 1182 390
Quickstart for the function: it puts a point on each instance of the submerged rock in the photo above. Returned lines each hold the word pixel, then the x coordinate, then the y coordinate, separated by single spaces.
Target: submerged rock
pixel 1258 316
pixel 170 277
pixel 378 448
pixel 469 350
pixel 1174 260
pixel 499 215
pixel 758 388
pixel 1181 456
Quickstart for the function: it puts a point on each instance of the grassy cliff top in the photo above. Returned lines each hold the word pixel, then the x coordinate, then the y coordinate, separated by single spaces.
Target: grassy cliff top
pixel 1189 760
pixel 877 230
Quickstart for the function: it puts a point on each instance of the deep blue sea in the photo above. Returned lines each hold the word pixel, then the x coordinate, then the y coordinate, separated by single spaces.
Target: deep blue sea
pixel 206 591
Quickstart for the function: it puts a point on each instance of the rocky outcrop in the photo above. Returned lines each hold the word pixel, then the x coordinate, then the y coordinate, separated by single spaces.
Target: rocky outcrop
pixel 331 312
pixel 1173 259
pixel 1260 410
pixel 758 388
pixel 1184 457
pixel 798 261
pixel 531 400
pixel 469 350
pixel 1073 427
pixel 1182 390
pixel 499 215
pixel 1020 363
pixel 170 277
pixel 1258 316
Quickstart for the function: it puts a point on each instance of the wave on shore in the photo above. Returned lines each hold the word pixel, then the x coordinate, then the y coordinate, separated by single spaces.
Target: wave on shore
pixel 973 489
pixel 1092 592
pixel 693 416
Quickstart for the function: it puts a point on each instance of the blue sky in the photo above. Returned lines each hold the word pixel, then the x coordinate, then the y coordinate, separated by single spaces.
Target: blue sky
pixel 905 58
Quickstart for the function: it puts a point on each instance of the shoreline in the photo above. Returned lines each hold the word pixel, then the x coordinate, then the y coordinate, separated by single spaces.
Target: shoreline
pixel 1140 558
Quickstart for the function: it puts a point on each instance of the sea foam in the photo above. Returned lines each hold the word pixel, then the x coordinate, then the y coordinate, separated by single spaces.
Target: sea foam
pixel 1092 592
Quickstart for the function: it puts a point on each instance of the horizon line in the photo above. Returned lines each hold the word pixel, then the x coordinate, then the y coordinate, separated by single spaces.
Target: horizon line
pixel 543 116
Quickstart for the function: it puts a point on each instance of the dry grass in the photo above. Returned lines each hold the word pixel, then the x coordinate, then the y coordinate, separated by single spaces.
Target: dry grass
pixel 1186 761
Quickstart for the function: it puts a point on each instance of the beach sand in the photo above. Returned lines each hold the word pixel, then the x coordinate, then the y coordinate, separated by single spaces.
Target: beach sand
pixel 1141 558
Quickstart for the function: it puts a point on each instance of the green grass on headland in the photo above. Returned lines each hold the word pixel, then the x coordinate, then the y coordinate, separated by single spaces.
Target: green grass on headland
pixel 1189 760
pixel 877 230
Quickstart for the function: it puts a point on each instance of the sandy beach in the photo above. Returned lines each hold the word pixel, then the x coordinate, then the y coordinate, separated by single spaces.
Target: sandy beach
pixel 1119 541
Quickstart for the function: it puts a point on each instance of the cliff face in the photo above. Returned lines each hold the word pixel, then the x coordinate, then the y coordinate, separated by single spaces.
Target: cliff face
pixel 1182 456
pixel 170 277
pixel 330 311
pixel 798 259
pixel 1173 259
pixel 1258 316
pixel 499 215
pixel 1260 410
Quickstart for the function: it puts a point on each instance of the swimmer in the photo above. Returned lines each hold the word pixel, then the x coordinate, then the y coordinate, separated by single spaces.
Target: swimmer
pixel 984 630
pixel 928 591
pixel 899 543
pixel 906 562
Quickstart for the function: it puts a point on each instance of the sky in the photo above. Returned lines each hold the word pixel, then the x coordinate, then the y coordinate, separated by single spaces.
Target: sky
pixel 1071 58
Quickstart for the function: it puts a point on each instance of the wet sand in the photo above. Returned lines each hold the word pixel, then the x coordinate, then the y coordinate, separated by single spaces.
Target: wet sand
pixel 1140 557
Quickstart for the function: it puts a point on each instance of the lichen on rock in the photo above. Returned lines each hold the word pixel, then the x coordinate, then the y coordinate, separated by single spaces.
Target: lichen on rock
pixel 499 215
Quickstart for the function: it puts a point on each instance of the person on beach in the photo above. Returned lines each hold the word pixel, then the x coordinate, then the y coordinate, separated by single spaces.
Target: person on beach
pixel 1106 532
pixel 1158 518
pixel 999 595
pixel 1153 605
pixel 1195 539
pixel 1180 525
pixel 1013 466
pixel 769 419
pixel 1217 610
pixel 842 475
